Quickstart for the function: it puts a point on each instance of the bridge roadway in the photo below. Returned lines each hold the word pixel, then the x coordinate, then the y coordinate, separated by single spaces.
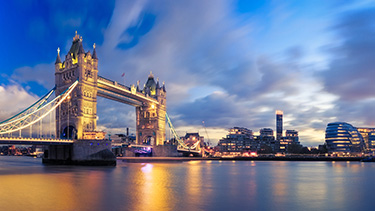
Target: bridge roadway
pixel 188 151
pixel 123 94
pixel 34 141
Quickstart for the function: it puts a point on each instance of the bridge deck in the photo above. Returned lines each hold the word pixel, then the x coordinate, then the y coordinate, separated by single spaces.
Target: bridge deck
pixel 115 91
pixel 34 141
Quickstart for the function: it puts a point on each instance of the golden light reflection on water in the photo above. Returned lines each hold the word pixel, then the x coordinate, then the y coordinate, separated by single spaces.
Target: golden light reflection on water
pixel 279 183
pixel 194 185
pixel 30 191
pixel 194 182
pixel 193 162
pixel 55 188
pixel 153 193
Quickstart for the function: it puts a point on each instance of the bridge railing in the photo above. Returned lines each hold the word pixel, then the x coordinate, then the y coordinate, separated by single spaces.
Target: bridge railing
pixel 114 83
pixel 36 139
pixel 106 80
pixel 123 86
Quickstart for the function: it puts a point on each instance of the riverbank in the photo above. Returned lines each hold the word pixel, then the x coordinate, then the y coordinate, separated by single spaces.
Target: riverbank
pixel 162 159
pixel 260 158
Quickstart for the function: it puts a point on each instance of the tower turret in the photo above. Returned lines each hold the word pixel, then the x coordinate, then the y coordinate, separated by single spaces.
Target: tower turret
pixel 77 115
pixel 94 56
pixel 151 85
pixel 163 86
pixel 138 89
pixel 81 50
pixel 157 83
pixel 151 116
pixel 58 63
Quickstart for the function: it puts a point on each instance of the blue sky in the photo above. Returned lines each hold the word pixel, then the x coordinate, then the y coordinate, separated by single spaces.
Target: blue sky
pixel 228 63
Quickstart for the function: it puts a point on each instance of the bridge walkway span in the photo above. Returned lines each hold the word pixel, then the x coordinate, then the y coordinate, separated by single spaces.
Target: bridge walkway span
pixel 115 91
pixel 34 141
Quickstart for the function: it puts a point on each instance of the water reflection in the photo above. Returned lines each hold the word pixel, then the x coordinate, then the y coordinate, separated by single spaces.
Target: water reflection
pixel 280 176
pixel 198 185
pixel 153 192
pixel 193 183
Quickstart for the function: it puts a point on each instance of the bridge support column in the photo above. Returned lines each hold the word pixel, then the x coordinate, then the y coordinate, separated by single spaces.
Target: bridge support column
pixel 165 151
pixel 81 152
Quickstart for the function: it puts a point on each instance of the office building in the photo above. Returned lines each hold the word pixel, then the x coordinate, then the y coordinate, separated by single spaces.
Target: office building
pixel 368 137
pixel 291 137
pixel 342 137
pixel 279 124
pixel 238 140
pixel 266 138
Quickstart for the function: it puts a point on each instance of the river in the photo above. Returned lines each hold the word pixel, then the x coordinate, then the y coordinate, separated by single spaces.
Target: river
pixel 27 184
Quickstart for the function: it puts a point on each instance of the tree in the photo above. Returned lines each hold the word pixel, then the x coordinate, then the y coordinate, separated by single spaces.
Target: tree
pixel 305 150
pixel 294 148
pixel 265 149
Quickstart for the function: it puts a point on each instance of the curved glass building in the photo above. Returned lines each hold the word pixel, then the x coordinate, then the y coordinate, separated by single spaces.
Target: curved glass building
pixel 343 137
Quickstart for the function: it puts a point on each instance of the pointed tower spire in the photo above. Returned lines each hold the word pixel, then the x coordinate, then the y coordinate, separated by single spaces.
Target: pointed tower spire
pixel 138 90
pixel 58 60
pixel 81 50
pixel 94 56
pixel 157 83
pixel 163 86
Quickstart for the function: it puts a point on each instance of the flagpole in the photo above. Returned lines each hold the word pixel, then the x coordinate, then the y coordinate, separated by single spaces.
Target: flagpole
pixel 123 75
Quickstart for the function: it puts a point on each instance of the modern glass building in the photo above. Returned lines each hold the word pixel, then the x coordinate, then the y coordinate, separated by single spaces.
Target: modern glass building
pixel 343 137
pixel 368 137
pixel 279 124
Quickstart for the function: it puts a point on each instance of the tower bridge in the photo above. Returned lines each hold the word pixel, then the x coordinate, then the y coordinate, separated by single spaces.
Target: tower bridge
pixel 78 115
pixel 77 86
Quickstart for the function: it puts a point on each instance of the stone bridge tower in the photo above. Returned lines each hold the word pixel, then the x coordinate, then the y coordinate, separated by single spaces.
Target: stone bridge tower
pixel 78 113
pixel 150 120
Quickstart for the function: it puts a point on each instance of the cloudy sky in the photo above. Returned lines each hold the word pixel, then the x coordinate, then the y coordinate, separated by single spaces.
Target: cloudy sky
pixel 228 63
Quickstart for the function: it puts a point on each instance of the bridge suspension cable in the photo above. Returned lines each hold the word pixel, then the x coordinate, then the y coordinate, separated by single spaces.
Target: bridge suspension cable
pixel 31 108
pixel 35 112
pixel 174 133
pixel 181 143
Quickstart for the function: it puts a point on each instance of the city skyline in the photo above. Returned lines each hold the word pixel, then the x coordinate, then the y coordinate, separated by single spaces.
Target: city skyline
pixel 227 63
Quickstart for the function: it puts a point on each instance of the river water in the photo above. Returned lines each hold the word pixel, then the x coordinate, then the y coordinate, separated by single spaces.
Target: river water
pixel 26 184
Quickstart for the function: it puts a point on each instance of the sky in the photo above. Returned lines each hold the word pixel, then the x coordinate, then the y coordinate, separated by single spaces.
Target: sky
pixel 227 63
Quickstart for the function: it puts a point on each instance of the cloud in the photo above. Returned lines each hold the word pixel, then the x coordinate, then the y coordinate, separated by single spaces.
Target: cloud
pixel 13 99
pixel 217 110
pixel 243 68
pixel 115 117
pixel 352 69
pixel 43 74
pixel 193 45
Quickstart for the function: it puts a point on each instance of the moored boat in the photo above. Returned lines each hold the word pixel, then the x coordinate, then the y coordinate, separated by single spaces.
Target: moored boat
pixel 369 159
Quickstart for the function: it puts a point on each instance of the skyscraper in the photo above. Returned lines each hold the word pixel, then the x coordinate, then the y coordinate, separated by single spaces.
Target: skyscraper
pixel 279 124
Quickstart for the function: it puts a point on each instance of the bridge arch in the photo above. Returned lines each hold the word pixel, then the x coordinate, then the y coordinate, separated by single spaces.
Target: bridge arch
pixel 69 132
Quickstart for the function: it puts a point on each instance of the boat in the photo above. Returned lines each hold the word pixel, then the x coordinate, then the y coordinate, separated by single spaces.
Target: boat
pixel 368 159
